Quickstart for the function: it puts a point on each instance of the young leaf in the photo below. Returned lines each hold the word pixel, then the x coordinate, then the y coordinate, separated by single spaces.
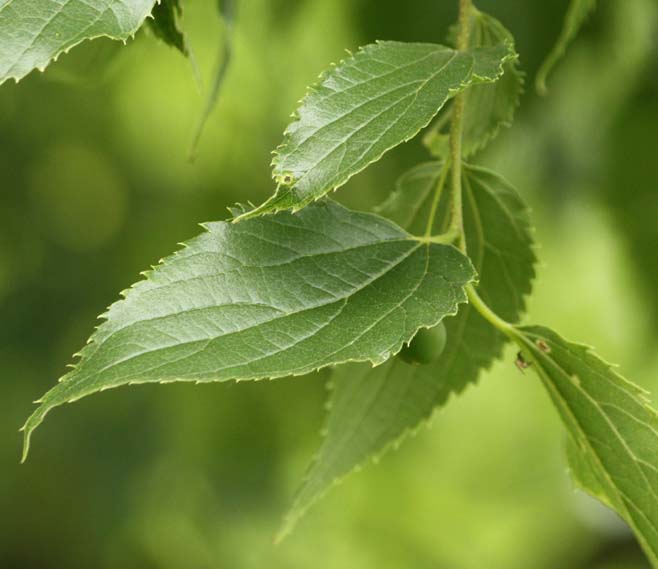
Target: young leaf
pixel 490 106
pixel 34 32
pixel 270 297
pixel 165 25
pixel 372 409
pixel 612 426
pixel 369 103
pixel 573 20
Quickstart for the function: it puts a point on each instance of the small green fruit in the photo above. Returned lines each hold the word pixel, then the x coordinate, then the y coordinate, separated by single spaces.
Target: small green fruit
pixel 426 346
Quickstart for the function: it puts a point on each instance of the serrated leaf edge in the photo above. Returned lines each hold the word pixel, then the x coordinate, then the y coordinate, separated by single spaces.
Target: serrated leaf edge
pixel 293 516
pixel 270 207
pixel 522 333
pixel 512 63
pixel 130 35
pixel 39 414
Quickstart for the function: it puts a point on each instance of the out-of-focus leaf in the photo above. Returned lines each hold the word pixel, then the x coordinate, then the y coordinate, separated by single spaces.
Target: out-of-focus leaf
pixel 576 14
pixel 270 297
pixel 409 203
pixel 227 14
pixel 611 423
pixel 490 106
pixel 376 99
pixel 34 32
pixel 372 409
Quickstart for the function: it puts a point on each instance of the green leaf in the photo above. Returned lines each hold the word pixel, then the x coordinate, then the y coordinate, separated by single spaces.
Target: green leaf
pixel 497 226
pixel 165 25
pixel 34 32
pixel 378 98
pixel 270 297
pixel 585 473
pixel 573 20
pixel 489 107
pixel 372 409
pixel 369 411
pixel 611 424
pixel 408 205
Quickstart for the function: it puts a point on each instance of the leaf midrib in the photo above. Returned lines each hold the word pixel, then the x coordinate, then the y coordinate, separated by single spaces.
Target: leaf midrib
pixel 147 291
pixel 288 314
pixel 328 185
pixel 622 498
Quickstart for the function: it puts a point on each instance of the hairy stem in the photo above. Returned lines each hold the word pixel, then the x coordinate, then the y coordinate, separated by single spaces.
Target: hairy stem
pixel 456 128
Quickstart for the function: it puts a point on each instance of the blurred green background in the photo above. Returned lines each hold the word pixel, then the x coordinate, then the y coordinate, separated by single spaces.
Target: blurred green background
pixel 96 186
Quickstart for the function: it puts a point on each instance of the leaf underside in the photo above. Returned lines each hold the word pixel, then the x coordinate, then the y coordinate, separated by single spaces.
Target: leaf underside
pixel 270 297
pixel 35 32
pixel 613 429
pixel 369 103
pixel 372 409
pixel 573 20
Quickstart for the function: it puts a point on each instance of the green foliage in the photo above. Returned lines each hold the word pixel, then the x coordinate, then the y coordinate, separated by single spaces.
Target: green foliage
pixel 270 297
pixel 369 103
pixel 38 32
pixel 613 429
pixel 411 199
pixel 165 24
pixel 573 20
pixel 34 32
pixel 491 106
pixel 372 409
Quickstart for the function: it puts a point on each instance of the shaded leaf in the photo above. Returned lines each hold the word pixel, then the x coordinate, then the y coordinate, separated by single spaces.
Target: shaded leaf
pixel 371 409
pixel 612 426
pixel 34 32
pixel 576 14
pixel 165 25
pixel 489 106
pixel 270 297
pixel 409 204
pixel 369 103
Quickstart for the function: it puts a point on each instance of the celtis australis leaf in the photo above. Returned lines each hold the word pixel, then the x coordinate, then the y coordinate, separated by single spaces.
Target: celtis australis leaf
pixel 270 297
pixel 34 32
pixel 372 409
pixel 369 103
pixel 611 424
pixel 489 106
